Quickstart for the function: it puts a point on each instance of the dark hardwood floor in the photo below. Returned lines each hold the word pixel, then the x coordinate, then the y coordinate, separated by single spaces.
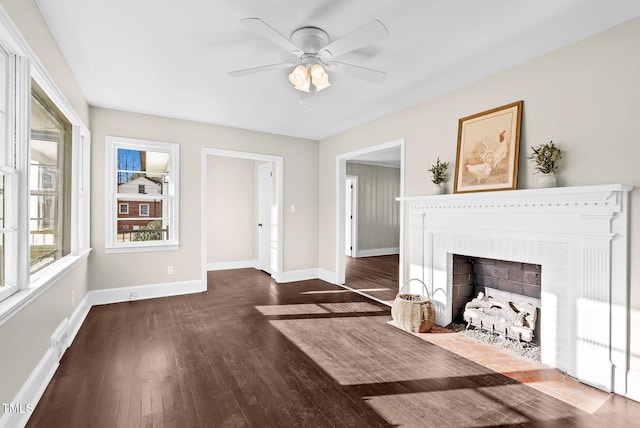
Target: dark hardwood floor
pixel 252 353
pixel 375 276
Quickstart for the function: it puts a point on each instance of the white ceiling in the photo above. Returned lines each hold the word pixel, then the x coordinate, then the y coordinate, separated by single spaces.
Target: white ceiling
pixel 171 58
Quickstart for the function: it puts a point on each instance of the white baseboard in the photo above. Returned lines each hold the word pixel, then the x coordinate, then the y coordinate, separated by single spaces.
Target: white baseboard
pixel 27 398
pixel 77 318
pixel 29 395
pixel 378 252
pixel 633 386
pixel 327 276
pixel 296 275
pixel 233 265
pixel 141 292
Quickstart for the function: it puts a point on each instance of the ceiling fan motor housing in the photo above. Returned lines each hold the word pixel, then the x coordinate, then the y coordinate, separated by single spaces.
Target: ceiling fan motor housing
pixel 310 39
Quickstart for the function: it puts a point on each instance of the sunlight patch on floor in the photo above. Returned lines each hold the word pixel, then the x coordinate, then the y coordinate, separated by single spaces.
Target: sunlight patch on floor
pixel 342 291
pixel 539 376
pixel 442 409
pixel 319 308
pixel 354 350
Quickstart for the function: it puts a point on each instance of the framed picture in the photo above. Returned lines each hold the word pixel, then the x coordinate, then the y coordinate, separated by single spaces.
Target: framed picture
pixel 488 146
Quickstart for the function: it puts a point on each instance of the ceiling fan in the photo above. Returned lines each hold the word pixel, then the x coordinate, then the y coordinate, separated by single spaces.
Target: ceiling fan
pixel 316 53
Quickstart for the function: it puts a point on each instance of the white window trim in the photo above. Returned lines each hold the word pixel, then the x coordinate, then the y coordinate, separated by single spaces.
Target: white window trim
pixel 111 149
pixel 123 205
pixel 28 66
pixel 140 210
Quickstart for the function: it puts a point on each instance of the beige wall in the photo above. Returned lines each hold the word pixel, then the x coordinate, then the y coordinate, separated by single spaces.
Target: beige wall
pixel 25 336
pixel 585 97
pixel 300 189
pixel 378 211
pixel 231 209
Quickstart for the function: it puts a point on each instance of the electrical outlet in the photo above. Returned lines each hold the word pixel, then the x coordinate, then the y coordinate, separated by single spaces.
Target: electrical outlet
pixel 170 270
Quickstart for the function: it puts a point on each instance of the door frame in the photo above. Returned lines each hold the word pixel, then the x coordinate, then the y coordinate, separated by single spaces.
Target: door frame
pixel 341 174
pixel 277 197
pixel 354 213
pixel 261 220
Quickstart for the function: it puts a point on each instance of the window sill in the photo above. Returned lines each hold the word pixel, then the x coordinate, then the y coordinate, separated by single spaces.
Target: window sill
pixel 142 248
pixel 39 284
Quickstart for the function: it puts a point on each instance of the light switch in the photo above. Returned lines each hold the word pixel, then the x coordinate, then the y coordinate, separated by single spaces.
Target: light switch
pixel 293 208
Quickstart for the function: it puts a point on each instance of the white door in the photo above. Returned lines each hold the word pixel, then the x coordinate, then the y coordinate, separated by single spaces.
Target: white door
pixel 265 192
pixel 350 216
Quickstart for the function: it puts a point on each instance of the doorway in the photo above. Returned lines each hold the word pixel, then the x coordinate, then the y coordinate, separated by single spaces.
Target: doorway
pixel 274 165
pixel 373 272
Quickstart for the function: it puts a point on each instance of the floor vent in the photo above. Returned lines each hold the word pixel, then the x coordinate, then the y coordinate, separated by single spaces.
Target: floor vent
pixel 59 338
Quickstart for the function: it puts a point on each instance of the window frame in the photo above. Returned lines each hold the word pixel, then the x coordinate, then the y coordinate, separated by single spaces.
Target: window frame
pixel 112 144
pixel 25 66
pixel 121 205
pixel 140 210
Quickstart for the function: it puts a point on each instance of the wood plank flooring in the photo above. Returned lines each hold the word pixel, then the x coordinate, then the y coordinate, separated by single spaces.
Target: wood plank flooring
pixel 253 353
pixel 375 276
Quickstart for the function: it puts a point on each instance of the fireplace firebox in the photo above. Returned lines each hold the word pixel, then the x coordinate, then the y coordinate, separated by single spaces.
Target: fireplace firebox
pixel 512 287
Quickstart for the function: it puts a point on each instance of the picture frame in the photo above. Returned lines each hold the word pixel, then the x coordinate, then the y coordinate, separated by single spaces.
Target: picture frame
pixel 488 150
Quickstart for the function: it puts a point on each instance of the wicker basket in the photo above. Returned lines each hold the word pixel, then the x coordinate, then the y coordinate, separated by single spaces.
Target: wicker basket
pixel 414 313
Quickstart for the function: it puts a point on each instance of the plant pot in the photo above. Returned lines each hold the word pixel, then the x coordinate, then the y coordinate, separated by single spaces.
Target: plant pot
pixel 437 189
pixel 546 180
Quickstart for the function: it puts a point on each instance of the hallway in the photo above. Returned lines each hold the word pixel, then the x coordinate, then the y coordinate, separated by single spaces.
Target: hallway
pixel 375 276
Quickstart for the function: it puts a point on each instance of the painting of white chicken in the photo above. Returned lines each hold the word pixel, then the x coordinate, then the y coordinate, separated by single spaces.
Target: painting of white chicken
pixel 490 158
pixel 488 146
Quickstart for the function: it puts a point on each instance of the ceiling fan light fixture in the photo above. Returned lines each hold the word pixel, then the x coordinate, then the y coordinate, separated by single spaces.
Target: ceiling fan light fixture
pixel 319 77
pixel 321 86
pixel 299 76
pixel 305 86
pixel 317 72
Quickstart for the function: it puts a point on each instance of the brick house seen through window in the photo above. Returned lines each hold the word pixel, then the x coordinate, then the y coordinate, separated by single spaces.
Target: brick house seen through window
pixel 139 214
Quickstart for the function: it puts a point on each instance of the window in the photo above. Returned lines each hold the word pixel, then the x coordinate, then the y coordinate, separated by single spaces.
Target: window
pixel 143 175
pixel 123 208
pixel 50 182
pixel 8 186
pixel 44 177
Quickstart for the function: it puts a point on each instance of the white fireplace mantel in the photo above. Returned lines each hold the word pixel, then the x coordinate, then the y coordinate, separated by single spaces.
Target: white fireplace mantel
pixel 579 237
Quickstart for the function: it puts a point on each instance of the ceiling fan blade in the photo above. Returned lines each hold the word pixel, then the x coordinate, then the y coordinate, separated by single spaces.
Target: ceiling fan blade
pixel 363 36
pixel 362 73
pixel 254 70
pixel 265 30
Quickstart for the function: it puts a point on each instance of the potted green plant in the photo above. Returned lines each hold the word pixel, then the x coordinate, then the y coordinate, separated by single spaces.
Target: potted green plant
pixel 438 175
pixel 546 157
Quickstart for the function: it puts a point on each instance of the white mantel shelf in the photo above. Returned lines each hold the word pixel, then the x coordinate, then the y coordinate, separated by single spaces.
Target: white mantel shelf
pixel 577 234
pixel 597 195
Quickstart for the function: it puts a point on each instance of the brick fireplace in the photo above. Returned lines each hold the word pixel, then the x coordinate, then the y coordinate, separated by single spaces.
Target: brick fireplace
pixel 578 237
pixel 503 280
